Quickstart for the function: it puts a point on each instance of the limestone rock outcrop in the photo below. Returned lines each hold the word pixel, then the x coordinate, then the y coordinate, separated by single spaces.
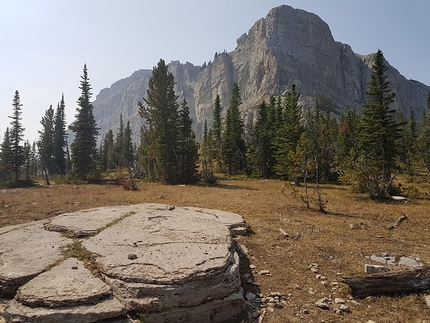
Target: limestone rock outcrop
pixel 173 264
pixel 26 250
pixel 287 46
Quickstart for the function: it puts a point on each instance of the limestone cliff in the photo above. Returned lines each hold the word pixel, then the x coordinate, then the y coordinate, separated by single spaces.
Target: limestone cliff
pixel 287 46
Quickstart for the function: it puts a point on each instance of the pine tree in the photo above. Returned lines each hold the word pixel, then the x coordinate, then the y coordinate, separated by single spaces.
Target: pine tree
pixel 84 146
pixel 260 146
pixel 127 146
pixel 107 152
pixel 289 132
pixel 60 139
pixel 234 146
pixel 217 132
pixel 187 148
pixel 16 135
pixel 46 143
pixel 205 148
pixel 27 160
pixel 6 157
pixel 162 117
pixel 119 144
pixel 378 133
pixel 423 140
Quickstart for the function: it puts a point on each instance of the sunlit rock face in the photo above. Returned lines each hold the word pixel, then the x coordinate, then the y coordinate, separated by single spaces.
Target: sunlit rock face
pixel 287 46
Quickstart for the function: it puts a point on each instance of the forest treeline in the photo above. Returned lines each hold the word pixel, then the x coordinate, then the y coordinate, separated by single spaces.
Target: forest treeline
pixel 365 149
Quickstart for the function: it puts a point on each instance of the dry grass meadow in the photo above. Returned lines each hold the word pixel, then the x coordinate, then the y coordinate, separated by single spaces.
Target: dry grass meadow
pixel 338 241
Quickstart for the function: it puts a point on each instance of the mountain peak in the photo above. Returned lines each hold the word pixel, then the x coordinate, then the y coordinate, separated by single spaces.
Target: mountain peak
pixel 287 46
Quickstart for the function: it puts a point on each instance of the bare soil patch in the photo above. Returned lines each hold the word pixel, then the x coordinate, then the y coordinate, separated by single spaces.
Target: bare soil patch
pixel 338 242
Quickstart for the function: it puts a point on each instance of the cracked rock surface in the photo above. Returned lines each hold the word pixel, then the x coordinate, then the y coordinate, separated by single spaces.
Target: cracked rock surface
pixel 173 264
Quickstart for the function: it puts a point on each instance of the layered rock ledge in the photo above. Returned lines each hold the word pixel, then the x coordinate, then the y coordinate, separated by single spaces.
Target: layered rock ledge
pixel 170 264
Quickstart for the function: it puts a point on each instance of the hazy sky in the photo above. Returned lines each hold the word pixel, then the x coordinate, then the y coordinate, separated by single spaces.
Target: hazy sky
pixel 45 43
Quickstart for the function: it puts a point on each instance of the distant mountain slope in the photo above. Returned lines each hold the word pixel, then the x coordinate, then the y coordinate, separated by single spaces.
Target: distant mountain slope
pixel 288 46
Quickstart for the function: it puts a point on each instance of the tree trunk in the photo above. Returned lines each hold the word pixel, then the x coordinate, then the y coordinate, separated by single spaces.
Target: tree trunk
pixel 390 282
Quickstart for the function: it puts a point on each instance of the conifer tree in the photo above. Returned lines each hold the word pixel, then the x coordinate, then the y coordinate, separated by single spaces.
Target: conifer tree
pixel 60 139
pixel 289 132
pixel 187 148
pixel 119 144
pixel 217 132
pixel 46 143
pixel 379 132
pixel 234 146
pixel 260 147
pixel 83 147
pixel 423 140
pixel 107 152
pixel 16 136
pixel 127 146
pixel 6 157
pixel 27 160
pixel 160 111
pixel 205 147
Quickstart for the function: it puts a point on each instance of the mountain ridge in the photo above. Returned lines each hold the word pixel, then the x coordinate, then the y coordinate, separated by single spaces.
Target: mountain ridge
pixel 285 47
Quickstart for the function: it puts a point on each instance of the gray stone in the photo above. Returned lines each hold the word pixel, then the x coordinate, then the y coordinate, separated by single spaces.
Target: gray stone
pixel 25 251
pixel 250 296
pixel 408 261
pixel 427 300
pixel 87 222
pixel 63 286
pixel 108 308
pixel 176 264
pixel 372 269
pixel 378 259
pixel 323 303
pixel 184 258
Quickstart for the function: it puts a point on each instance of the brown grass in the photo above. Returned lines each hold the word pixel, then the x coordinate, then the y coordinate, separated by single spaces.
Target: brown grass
pixel 325 239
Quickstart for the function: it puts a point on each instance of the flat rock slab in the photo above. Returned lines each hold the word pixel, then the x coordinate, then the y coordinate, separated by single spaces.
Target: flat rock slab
pixel 157 245
pixel 233 221
pixel 108 308
pixel 161 259
pixel 25 252
pixel 68 284
pixel 88 222
pixel 174 264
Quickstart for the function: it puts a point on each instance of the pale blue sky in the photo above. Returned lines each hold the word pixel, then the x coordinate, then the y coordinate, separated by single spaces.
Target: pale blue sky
pixel 45 43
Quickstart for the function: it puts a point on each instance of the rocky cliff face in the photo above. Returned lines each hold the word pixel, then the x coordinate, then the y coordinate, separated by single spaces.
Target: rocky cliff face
pixel 288 46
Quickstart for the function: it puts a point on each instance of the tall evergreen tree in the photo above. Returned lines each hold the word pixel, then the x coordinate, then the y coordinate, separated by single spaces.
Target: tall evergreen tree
pixel 6 157
pixel 289 132
pixel 217 132
pixel 85 128
pixel 160 111
pixel 119 144
pixel 27 160
pixel 234 146
pixel 16 136
pixel 260 146
pixel 46 143
pixel 187 148
pixel 205 148
pixel 60 139
pixel 378 133
pixel 127 146
pixel 424 138
pixel 107 152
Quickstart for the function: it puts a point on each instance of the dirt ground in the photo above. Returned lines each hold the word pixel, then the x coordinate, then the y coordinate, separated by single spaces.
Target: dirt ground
pixel 338 242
